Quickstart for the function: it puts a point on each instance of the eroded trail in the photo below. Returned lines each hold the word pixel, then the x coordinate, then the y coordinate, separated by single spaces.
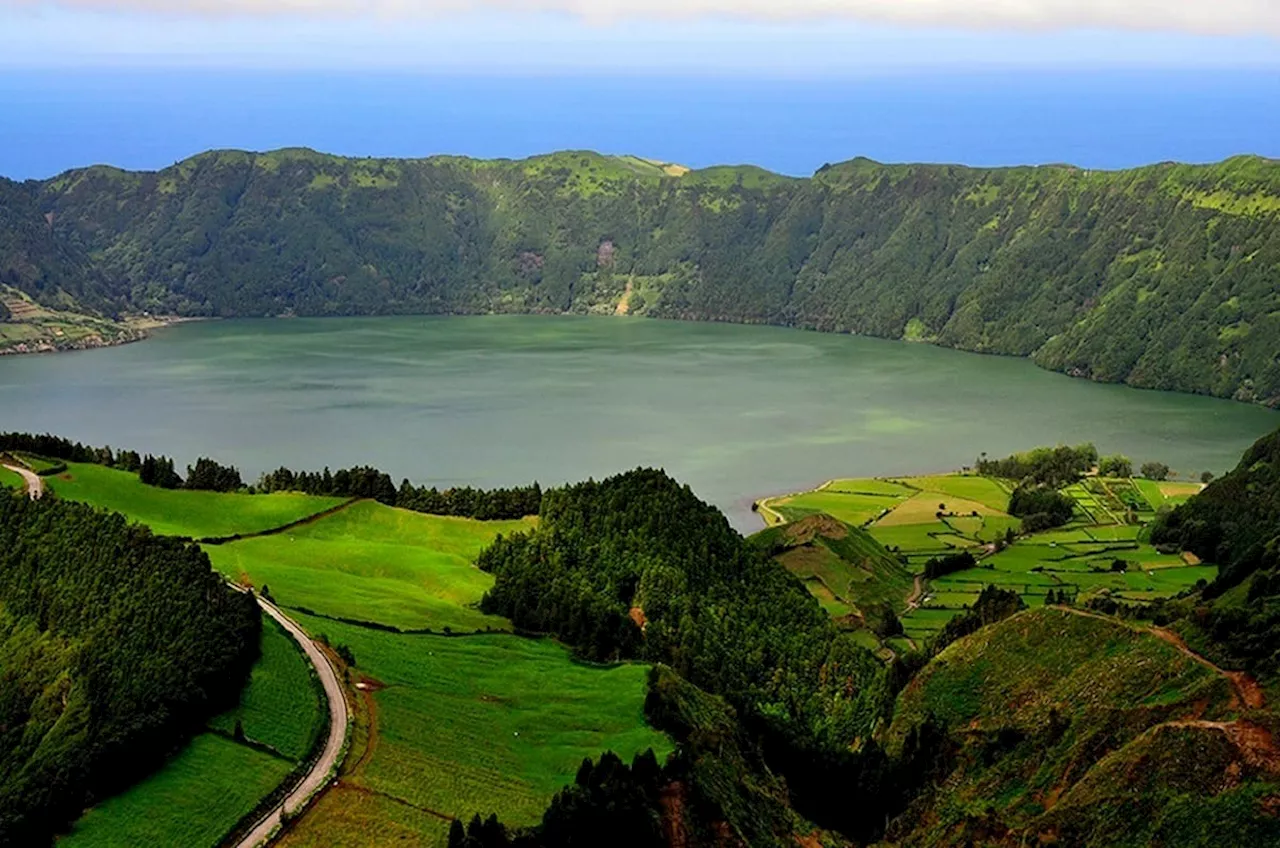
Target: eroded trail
pixel 1256 744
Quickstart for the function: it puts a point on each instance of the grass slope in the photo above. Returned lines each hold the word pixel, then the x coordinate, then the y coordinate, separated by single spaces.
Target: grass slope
pixel 281 706
pixel 179 512
pixel 474 724
pixel 204 790
pixel 1077 728
pixel 843 566
pixel 374 563
pixel 193 801
pixel 9 480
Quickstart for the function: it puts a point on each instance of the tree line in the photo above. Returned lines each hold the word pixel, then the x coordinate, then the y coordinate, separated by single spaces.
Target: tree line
pixel 367 482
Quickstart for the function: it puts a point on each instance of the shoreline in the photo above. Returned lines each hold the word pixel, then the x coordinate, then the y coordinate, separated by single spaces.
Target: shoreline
pixel 132 329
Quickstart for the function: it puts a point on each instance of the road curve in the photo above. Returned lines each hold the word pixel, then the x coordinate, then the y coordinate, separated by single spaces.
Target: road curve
pixel 315 779
pixel 35 484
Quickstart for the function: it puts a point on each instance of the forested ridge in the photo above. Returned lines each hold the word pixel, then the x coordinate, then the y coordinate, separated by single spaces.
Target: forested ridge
pixel 1162 276
pixel 117 646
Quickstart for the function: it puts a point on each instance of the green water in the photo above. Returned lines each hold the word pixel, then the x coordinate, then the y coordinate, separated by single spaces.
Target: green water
pixel 736 412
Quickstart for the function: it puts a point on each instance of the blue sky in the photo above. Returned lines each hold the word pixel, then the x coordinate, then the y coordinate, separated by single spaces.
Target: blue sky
pixel 761 38
pixel 786 84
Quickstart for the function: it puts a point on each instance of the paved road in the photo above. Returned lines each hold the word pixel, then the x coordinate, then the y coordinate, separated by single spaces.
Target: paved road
pixel 35 484
pixel 320 773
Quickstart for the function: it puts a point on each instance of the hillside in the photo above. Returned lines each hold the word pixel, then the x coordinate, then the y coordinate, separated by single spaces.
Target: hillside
pixel 117 646
pixel 1160 277
pixel 1061 727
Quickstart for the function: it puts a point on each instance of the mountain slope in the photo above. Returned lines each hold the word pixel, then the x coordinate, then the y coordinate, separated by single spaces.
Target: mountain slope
pixel 1160 276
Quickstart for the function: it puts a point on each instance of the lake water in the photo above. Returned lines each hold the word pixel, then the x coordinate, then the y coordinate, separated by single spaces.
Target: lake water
pixel 737 412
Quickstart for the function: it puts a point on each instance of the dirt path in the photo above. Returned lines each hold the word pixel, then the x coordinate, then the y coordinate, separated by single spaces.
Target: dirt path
pixel 624 305
pixel 1247 691
pixel 35 483
pixel 1255 743
pixel 326 766
pixel 917 593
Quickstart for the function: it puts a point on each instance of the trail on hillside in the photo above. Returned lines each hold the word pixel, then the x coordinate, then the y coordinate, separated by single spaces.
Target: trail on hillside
pixel 1256 744
pixel 35 483
pixel 917 592
pixel 1246 690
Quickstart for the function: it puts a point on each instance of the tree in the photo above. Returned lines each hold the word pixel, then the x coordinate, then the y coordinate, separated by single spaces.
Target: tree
pixel 1115 466
pixel 1206 477
pixel 1154 471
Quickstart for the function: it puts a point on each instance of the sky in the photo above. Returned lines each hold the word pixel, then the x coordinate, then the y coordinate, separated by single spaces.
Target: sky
pixel 787 84
pixel 774 38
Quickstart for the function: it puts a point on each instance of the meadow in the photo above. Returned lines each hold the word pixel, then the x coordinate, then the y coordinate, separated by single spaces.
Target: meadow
pixel 178 512
pixel 193 801
pixel 371 562
pixel 10 480
pixel 466 724
pixel 200 794
pixel 281 707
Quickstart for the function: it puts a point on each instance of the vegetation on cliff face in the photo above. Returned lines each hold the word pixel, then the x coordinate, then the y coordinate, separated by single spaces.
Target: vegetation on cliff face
pixel 1160 276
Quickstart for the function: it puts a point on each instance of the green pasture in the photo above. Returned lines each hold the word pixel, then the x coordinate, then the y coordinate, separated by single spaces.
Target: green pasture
pixel 10 480
pixel 282 705
pixel 870 486
pixel 178 512
pixel 855 509
pixel 984 490
pixel 193 801
pixel 200 794
pixel 375 563
pixel 487 723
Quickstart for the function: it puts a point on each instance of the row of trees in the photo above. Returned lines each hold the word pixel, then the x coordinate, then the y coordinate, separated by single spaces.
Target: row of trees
pixel 367 482
pixel 118 645
pixel 1051 467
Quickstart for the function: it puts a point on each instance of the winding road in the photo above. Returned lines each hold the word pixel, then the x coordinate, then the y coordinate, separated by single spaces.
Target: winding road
pixel 326 765
pixel 35 485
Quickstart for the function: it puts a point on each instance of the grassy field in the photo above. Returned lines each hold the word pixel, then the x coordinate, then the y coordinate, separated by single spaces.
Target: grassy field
pixel 472 724
pixel 374 563
pixel 281 706
pixel 9 480
pixel 202 792
pixel 193 801
pixel 183 513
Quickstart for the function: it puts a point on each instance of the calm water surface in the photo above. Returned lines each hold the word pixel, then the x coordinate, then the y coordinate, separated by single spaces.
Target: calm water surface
pixel 736 412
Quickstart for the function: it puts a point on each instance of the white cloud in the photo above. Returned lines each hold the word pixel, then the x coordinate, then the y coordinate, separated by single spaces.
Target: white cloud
pixel 1209 17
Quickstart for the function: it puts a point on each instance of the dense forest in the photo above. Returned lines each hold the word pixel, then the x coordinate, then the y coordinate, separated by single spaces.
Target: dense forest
pixel 117 646
pixel 636 566
pixel 1161 276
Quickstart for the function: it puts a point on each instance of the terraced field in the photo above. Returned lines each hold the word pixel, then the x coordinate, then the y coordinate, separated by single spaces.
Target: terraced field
pixel 921 518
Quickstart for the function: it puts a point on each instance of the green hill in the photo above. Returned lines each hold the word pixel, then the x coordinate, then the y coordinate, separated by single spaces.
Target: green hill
pixel 1160 277
pixel 842 566
pixel 1072 729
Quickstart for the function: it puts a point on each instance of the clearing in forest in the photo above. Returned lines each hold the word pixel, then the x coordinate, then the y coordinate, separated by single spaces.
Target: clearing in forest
pixel 375 563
